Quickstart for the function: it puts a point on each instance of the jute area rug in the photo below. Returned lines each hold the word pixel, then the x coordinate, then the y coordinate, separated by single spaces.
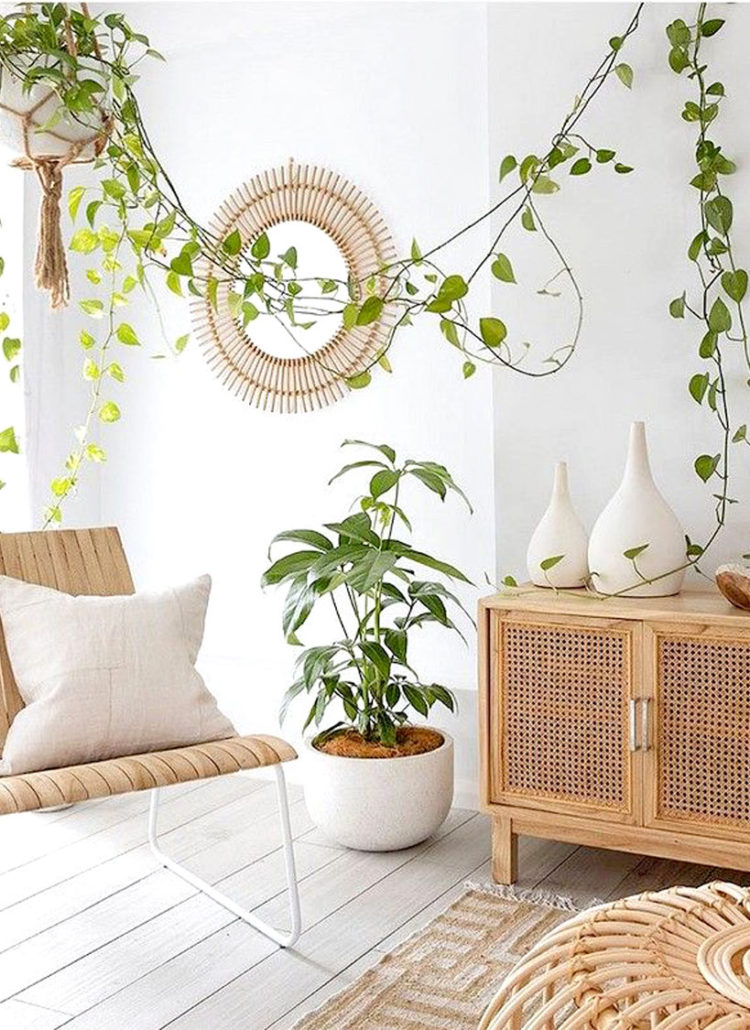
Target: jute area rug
pixel 443 977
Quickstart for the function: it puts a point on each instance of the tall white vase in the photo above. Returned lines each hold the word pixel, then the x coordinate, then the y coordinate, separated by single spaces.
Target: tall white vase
pixel 559 532
pixel 637 515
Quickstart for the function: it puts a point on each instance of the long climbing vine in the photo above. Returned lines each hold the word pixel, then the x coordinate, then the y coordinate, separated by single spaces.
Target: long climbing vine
pixel 133 226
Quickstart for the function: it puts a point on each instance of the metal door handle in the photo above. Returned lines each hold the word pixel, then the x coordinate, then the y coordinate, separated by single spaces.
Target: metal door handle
pixel 645 724
pixel 633 724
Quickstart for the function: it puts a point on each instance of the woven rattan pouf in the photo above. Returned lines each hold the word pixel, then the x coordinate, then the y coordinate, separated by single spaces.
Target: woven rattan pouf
pixel 673 959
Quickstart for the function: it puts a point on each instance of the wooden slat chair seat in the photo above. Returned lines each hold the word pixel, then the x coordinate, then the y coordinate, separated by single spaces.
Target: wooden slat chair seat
pixel 74 783
pixel 92 561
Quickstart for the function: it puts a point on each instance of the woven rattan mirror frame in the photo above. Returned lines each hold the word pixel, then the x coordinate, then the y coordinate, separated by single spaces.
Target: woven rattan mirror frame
pixel 306 193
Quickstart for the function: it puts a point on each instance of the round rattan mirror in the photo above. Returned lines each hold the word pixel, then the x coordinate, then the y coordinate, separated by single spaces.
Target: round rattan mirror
pixel 313 374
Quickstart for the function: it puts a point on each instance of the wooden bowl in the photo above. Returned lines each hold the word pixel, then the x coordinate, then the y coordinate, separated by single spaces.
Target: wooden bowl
pixel 734 583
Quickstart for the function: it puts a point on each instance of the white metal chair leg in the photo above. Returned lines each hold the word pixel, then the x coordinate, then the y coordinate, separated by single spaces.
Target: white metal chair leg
pixel 285 939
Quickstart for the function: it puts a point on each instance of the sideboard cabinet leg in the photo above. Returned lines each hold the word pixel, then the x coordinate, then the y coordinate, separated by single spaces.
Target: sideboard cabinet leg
pixel 504 851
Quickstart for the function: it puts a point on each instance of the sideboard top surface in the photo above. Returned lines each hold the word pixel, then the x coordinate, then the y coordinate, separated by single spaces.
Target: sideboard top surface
pixel 691 605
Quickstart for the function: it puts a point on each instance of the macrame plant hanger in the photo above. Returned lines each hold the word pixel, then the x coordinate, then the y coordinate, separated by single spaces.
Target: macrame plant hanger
pixel 50 266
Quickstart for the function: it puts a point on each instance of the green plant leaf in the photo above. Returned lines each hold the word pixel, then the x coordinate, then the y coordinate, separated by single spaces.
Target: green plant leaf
pixel 453 287
pixel 510 581
pixel 545 185
pixel 370 311
pixel 581 166
pixel 603 156
pixel 507 165
pixel 623 169
pixel 468 369
pixel 232 244
pixel 549 563
pixel 289 567
pixel 740 434
pixel 127 335
pixel 698 386
pixel 8 441
pixel 706 465
pixel 493 331
pixel 633 552
pixel 11 348
pixel 359 382
pixel 711 27
pixel 719 213
pixel 527 220
pixel 84 241
pixel 625 74
pixel 109 412
pixel 435 563
pixel 261 247
pixel 502 269
pixel 93 308
pixel 75 196
pixel 677 307
pixel 735 284
pixel 383 481
pixel 719 319
pixel 302 536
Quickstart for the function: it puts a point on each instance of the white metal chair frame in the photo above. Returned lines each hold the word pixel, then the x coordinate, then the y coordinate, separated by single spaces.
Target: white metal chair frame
pixel 283 938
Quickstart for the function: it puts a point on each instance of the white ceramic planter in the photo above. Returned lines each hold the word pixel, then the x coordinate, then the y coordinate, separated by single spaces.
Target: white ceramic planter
pixel 559 532
pixel 379 804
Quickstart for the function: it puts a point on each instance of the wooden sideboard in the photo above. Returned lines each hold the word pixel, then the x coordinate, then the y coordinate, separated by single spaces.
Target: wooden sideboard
pixel 616 723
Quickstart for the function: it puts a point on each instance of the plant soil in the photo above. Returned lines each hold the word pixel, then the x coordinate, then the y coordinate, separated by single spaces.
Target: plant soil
pixel 410 740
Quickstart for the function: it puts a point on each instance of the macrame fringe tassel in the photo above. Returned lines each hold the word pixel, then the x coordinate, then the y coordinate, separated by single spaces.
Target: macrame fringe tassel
pixel 51 267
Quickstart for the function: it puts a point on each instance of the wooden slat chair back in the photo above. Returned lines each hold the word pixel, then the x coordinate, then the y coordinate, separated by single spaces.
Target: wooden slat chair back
pixel 92 561
pixel 76 561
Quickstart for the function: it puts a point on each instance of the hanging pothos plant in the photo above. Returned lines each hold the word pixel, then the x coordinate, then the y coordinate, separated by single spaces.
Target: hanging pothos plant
pixel 133 225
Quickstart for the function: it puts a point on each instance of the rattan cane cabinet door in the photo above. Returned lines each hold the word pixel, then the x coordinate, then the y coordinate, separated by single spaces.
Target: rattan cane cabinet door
pixel 560 702
pixel 700 759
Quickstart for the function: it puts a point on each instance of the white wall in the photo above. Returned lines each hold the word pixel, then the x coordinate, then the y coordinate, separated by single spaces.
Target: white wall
pixel 393 97
pixel 626 238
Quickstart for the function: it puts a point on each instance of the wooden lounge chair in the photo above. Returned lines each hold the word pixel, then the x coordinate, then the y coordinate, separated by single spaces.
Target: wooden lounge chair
pixel 92 561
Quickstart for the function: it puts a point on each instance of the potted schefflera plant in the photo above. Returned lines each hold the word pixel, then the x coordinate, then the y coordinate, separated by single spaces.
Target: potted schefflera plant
pixel 374 781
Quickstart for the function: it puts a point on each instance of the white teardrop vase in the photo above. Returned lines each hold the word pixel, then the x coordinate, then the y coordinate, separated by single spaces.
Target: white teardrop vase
pixel 637 515
pixel 559 532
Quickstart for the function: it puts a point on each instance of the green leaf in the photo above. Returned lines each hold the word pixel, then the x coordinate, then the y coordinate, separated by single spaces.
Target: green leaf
pixel 8 441
pixel 711 27
pixel 416 253
pixel 74 200
pixel 109 412
pixel 289 257
pixel 370 569
pixel 181 343
pixel 616 42
pixel 435 563
pixel 84 241
pixel 396 641
pixel 384 448
pixel 740 434
pixel 623 169
pixel 696 244
pixel 581 166
pixel 678 59
pixel 416 699
pixel 453 287
pixel 173 282
pixel 719 319
pixel 502 269
pixel 383 481
pixel 261 247
pixel 507 165
pixel 544 185
pixel 625 74
pixel 370 311
pixel 677 307
pixel 719 213
pixel 182 264
pixel 93 308
pixel 349 315
pixel 735 284
pixel 510 581
pixel 493 331
pixel 468 369
pixel 233 243
pixel 706 465
pixel 359 382
pixel 716 89
pixel 602 156
pixel 127 335
pixel 303 536
pixel 708 345
pixel 529 163
pixel 449 331
pixel 527 220
pixel 95 453
pixel 698 386
pixel 549 563
pixel 633 552
pixel 11 348
pixel 289 567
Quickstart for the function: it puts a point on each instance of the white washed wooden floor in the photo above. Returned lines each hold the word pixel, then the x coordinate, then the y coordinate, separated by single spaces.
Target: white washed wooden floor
pixel 93 936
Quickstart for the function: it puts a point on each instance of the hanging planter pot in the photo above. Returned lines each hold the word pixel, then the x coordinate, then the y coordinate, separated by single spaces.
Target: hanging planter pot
pixel 48 135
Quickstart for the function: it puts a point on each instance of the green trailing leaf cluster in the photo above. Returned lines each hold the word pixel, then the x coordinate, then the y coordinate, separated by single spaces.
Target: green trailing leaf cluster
pixel 375 584
pixel 134 226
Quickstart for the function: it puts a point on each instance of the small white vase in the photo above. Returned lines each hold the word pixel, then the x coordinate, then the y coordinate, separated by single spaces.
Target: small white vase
pixel 637 515
pixel 559 532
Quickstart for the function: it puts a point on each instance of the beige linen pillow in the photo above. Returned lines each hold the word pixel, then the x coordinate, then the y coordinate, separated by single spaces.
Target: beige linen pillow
pixel 105 676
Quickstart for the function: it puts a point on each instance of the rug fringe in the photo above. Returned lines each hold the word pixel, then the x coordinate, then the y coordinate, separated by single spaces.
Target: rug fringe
pixel 536 896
